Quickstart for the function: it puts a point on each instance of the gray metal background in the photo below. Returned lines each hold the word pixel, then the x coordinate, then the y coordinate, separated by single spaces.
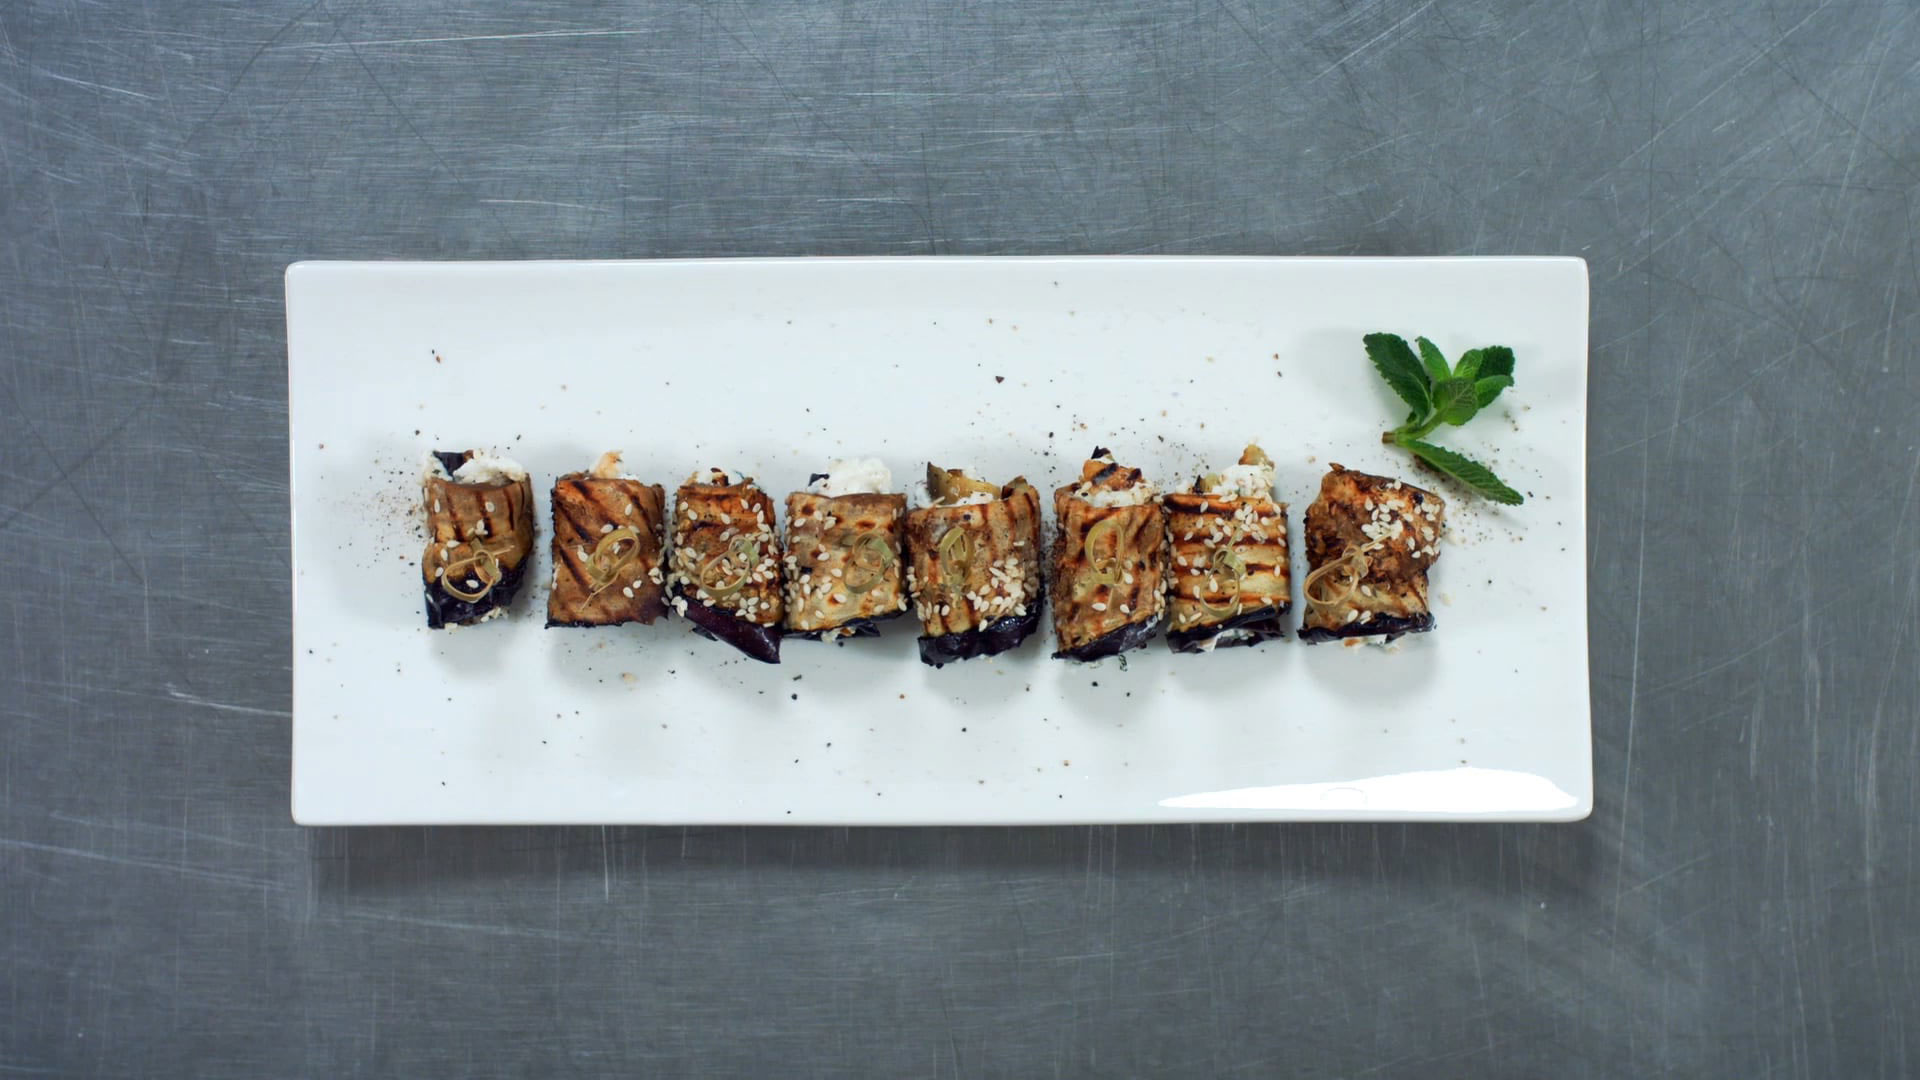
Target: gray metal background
pixel 1742 177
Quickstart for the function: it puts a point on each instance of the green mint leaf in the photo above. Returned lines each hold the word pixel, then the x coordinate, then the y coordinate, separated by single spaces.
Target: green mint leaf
pixel 1469 366
pixel 1455 400
pixel 1485 390
pixel 1396 364
pixel 1466 470
pixel 1435 361
pixel 1495 360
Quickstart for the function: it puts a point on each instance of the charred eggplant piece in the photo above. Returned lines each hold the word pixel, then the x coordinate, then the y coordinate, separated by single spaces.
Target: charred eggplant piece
pixel 845 548
pixel 975 571
pixel 1109 562
pixel 609 540
pixel 1370 541
pixel 724 573
pixel 1230 566
pixel 479 536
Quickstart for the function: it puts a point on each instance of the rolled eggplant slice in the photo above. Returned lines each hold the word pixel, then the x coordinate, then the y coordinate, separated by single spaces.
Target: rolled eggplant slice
pixel 1109 562
pixel 724 573
pixel 1370 541
pixel 479 536
pixel 975 571
pixel 609 544
pixel 844 553
pixel 1230 566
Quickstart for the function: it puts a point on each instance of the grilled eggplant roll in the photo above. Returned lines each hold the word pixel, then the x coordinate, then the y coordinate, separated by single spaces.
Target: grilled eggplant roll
pixel 844 545
pixel 975 573
pixel 609 540
pixel 1370 540
pixel 1109 562
pixel 725 569
pixel 479 536
pixel 1230 565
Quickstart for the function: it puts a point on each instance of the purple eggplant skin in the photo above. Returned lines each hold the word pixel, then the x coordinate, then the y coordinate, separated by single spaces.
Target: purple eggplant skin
pixel 1261 625
pixel 996 637
pixel 760 642
pixel 1394 626
pixel 1129 637
pixel 444 608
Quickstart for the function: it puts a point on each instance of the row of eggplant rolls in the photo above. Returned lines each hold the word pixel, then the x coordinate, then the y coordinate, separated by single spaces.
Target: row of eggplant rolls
pixel 1209 564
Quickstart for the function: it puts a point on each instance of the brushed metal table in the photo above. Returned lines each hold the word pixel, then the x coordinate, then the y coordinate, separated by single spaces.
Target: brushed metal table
pixel 1743 179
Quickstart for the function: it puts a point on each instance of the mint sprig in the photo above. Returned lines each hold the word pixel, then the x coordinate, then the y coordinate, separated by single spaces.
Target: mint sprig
pixel 1438 393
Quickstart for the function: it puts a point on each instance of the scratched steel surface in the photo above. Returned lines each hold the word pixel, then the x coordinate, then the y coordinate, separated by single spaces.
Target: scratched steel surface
pixel 1742 177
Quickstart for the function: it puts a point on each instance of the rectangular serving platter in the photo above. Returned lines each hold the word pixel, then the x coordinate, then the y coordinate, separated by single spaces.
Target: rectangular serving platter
pixel 1005 366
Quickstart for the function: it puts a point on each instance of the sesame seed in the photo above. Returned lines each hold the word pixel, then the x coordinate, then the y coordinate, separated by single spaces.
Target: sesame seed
pixel 628 593
pixel 604 529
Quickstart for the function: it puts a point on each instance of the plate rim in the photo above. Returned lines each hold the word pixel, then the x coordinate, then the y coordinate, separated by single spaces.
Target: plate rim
pixel 299 271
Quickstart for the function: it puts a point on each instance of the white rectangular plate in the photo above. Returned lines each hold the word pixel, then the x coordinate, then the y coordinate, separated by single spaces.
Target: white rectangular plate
pixel 1006 366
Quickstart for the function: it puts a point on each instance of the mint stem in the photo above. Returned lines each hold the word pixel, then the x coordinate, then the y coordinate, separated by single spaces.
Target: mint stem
pixel 1411 431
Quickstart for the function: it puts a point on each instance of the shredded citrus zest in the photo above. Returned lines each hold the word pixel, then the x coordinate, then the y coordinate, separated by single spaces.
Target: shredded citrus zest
pixel 1100 570
pixel 481 562
pixel 713 574
pixel 1226 563
pixel 604 566
pixel 1352 567
pixel 869 562
pixel 956 550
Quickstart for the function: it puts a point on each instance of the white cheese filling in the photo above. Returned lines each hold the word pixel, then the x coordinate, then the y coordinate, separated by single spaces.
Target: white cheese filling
pixel 1246 480
pixel 478 469
pixel 855 476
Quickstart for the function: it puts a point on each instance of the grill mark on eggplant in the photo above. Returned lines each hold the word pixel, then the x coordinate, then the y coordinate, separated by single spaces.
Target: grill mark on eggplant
pixel 1084 632
pixel 1007 528
pixel 582 507
pixel 1397 602
pixel 457 522
pixel 1265 561
pixel 864 515
pixel 700 536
